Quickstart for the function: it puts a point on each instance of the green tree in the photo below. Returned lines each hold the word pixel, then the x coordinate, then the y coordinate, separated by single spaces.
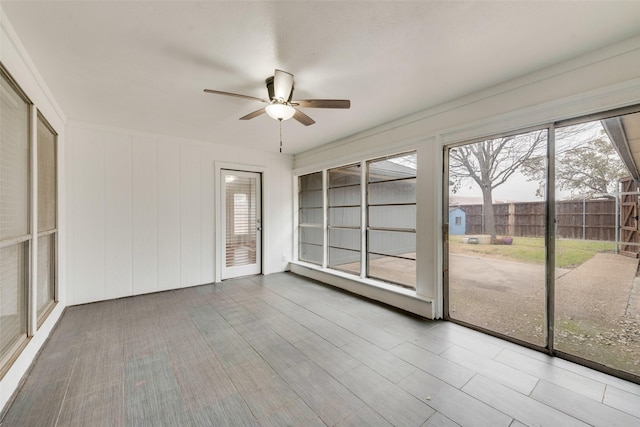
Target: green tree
pixel 591 170
pixel 491 163
pixel 587 164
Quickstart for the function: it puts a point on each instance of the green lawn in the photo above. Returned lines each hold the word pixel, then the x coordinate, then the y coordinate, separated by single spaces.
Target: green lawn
pixel 569 253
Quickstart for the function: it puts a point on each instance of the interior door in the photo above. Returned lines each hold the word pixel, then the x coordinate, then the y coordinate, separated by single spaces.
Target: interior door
pixel 242 220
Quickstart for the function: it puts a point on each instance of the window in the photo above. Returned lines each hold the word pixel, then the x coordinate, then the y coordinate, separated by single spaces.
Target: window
pixel 19 244
pixel 344 219
pixel 391 234
pixel 388 236
pixel 310 218
pixel 47 223
pixel 458 220
pixel 15 237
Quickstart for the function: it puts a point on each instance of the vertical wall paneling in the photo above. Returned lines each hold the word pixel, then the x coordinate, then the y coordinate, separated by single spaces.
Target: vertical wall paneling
pixel 142 211
pixel 145 215
pixel 207 252
pixel 89 217
pixel 168 214
pixel 190 216
pixel 118 218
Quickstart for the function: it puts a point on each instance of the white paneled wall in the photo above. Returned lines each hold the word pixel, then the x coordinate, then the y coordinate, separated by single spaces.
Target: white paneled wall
pixel 117 216
pixel 143 211
pixel 169 214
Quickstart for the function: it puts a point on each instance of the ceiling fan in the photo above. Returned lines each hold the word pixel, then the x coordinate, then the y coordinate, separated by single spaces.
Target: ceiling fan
pixel 279 104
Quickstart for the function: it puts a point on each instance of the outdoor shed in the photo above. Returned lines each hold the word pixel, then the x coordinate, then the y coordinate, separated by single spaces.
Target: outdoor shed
pixel 457 221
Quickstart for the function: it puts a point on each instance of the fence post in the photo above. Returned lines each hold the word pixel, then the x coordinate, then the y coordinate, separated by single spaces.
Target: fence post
pixel 584 219
pixel 512 219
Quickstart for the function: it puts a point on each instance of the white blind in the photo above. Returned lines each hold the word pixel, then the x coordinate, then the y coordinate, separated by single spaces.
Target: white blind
pixel 12 296
pixel 46 177
pixel 241 226
pixel 14 163
pixel 46 272
pixel 14 214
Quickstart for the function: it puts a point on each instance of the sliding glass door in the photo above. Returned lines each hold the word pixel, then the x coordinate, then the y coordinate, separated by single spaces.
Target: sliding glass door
pixel 597 291
pixel 497 236
pixel 543 239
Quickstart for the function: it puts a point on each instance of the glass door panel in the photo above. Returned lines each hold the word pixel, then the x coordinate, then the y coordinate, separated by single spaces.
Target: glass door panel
pixel 597 310
pixel 243 224
pixel 496 247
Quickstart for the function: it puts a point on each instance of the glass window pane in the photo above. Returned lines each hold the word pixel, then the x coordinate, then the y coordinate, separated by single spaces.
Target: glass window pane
pixel 396 243
pixel 401 216
pixel 403 191
pixel 392 168
pixel 310 211
pixel 348 217
pixel 344 249
pixel 344 259
pixel 14 163
pixel 345 196
pixel 344 176
pixel 310 216
pixel 391 196
pixel 392 257
pixel 12 296
pixel 46 272
pixel 310 199
pixel 46 177
pixel 310 244
pixel 310 182
pixel 345 238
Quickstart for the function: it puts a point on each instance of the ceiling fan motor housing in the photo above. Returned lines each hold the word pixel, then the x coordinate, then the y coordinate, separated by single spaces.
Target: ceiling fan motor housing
pixel 271 92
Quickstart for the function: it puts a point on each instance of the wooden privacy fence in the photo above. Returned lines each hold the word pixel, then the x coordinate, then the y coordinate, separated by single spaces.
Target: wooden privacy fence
pixel 575 219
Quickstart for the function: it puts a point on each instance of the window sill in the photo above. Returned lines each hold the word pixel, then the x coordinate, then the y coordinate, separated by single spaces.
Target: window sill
pixel 396 296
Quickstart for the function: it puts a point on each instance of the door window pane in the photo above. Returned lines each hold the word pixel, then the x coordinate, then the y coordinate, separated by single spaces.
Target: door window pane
pixel 241 227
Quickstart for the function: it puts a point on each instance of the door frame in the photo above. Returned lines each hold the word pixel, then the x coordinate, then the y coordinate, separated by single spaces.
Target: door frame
pixel 218 214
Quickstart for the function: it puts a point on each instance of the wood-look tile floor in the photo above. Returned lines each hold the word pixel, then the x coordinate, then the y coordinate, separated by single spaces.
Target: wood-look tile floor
pixel 282 350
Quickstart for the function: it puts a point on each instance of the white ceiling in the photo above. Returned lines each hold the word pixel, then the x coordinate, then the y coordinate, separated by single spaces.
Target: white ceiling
pixel 143 65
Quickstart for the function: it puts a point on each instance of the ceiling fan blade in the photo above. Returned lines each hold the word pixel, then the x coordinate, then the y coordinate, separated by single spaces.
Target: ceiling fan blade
pixel 252 115
pixel 237 95
pixel 322 103
pixel 282 84
pixel 303 118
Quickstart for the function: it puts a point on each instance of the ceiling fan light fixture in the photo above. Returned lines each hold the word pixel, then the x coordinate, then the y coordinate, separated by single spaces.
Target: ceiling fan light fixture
pixel 280 111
